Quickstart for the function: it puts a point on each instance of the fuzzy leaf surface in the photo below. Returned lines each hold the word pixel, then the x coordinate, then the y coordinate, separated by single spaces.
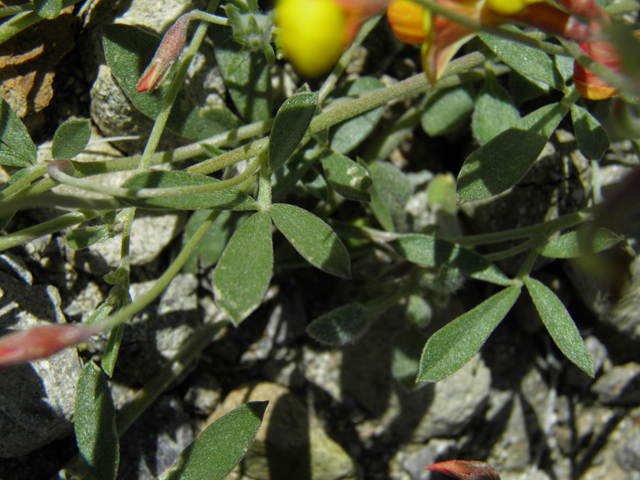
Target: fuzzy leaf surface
pixel 227 199
pixel 128 50
pixel 47 9
pixel 347 135
pixel 502 162
pixel 494 111
pixel 427 251
pixel 451 347
pixel 220 447
pixel 390 194
pixel 560 325
pixel 447 109
pixel 16 147
pixel 246 75
pixel 95 424
pixel 284 179
pixel 568 245
pixel 71 138
pixel 526 60
pixel 592 138
pixel 244 270
pixel 289 126
pixel 349 179
pixel 81 238
pixel 341 326
pixel 313 239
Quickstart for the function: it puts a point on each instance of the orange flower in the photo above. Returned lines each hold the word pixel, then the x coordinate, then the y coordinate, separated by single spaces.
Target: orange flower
pixel 588 84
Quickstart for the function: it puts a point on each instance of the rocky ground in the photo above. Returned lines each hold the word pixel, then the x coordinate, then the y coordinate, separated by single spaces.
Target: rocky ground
pixel 334 413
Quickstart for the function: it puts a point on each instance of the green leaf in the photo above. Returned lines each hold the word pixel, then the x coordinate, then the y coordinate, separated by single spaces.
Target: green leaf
pixel 428 251
pixel 447 109
pixel 228 199
pixel 341 326
pixel 441 193
pixel 16 147
pixel 389 195
pixel 128 50
pixel 210 248
pixel 349 179
pixel 526 60
pixel 349 134
pixel 405 362
pixel 313 239
pixel 244 271
pixel 316 184
pixel 220 447
pixel 246 75
pixel 592 138
pixel 525 88
pixel 81 238
pixel 451 347
pixel 494 111
pixel 285 178
pixel 47 9
pixel 71 138
pixel 112 349
pixel 95 424
pixel 289 126
pixel 568 245
pixel 502 162
pixel 560 325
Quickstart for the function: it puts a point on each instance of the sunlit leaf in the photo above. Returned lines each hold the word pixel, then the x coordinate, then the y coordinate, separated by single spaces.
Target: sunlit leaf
pixel 494 111
pixel 560 325
pixel 220 447
pixel 70 139
pixel 568 245
pixel 244 270
pixel 526 60
pixel 427 251
pixel 347 177
pixel 341 326
pixel 312 238
pixel 289 126
pixel 16 147
pixel 502 162
pixel 451 347
pixel 47 9
pixel 95 424
pixel 81 238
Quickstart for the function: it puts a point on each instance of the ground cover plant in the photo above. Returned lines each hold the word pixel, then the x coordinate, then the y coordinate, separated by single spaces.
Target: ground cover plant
pixel 301 169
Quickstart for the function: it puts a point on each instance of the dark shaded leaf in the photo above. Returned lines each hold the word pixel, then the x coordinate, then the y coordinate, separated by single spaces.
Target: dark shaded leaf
pixel 341 326
pixel 428 251
pixel 81 238
pixel 592 138
pixel 447 109
pixel 349 179
pixel 390 193
pixel 568 245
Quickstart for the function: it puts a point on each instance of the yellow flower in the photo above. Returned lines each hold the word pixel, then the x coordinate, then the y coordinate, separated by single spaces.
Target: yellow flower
pixel 509 7
pixel 311 32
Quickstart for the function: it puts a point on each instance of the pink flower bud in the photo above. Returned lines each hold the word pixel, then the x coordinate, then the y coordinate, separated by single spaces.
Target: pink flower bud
pixel 168 52
pixel 40 342
pixel 466 470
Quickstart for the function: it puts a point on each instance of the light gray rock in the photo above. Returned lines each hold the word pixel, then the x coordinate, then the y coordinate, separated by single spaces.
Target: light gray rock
pixel 156 334
pixel 204 393
pixel 155 441
pixel 511 451
pixel 36 399
pixel 414 458
pixel 620 385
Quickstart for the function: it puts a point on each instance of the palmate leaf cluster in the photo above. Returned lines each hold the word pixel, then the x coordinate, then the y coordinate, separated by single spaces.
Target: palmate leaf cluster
pixel 309 150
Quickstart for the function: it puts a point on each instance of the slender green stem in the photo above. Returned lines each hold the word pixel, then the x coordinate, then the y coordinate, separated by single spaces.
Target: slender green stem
pixel 346 57
pixel 526 267
pixel 264 183
pixel 510 252
pixel 210 18
pixel 34 173
pixel 28 234
pixel 164 280
pixel 15 9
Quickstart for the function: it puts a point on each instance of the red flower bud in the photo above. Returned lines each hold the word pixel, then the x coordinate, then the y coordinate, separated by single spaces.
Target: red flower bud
pixel 588 84
pixel 40 342
pixel 556 22
pixel 168 52
pixel 466 470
